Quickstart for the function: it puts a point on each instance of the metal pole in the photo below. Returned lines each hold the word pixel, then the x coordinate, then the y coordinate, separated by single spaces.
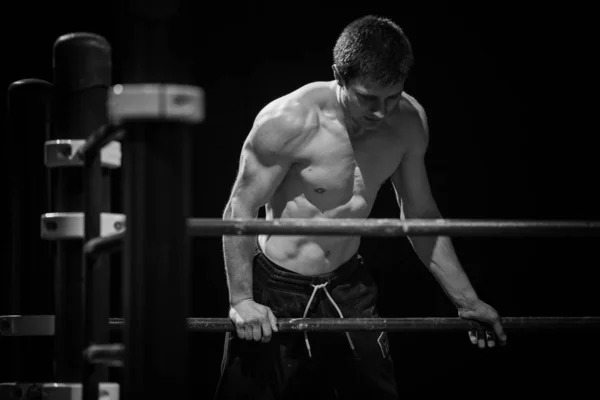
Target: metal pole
pixel 96 268
pixel 156 193
pixel 391 227
pixel 444 324
pixel 112 354
pixel 81 64
pixel 198 227
pixel 29 117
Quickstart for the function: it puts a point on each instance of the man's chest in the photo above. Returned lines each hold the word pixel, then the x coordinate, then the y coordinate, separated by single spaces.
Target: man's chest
pixel 332 162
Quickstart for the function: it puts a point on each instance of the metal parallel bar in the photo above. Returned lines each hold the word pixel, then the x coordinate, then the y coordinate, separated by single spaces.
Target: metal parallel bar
pixel 155 175
pixel 29 104
pixel 43 325
pixel 391 227
pixel 367 227
pixel 96 200
pixel 81 73
pixel 386 324
pixel 97 140
pixel 113 354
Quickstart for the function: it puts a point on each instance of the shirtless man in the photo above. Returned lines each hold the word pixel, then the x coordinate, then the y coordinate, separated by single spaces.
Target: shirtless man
pixel 323 151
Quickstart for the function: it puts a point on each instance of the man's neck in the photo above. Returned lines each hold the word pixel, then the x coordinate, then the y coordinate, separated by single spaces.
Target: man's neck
pixel 354 129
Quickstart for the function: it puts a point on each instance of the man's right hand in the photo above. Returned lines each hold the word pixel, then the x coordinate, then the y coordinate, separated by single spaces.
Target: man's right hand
pixel 253 321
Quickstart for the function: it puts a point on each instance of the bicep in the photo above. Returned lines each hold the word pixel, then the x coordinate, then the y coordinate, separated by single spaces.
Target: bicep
pixel 411 184
pixel 267 155
pixel 410 180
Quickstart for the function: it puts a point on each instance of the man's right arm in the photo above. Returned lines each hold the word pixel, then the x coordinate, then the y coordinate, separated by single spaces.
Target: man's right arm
pixel 266 156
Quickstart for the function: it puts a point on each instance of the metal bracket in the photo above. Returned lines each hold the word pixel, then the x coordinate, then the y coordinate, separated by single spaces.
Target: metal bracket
pixel 26 325
pixel 179 103
pixel 57 226
pixel 55 391
pixel 57 153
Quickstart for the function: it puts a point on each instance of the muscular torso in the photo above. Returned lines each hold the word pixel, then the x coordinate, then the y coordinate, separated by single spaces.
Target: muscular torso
pixel 335 174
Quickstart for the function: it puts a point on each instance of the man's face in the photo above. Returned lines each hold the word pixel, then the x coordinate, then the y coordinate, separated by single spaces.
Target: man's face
pixel 369 103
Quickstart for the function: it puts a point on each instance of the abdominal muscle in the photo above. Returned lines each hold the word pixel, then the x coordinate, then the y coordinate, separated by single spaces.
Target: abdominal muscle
pixel 312 255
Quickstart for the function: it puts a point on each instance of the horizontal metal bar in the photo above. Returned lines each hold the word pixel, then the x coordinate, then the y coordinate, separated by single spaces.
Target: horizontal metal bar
pixel 113 354
pixel 390 227
pixel 368 227
pixel 43 325
pixel 387 324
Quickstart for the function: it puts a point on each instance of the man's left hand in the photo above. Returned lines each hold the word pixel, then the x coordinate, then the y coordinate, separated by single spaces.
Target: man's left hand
pixel 489 329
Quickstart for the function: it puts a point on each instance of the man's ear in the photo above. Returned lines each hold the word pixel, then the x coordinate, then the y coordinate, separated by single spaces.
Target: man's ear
pixel 338 76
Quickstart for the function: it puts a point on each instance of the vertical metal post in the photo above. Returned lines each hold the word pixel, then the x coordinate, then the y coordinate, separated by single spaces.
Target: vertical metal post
pixel 96 275
pixel 82 74
pixel 156 193
pixel 96 269
pixel 29 117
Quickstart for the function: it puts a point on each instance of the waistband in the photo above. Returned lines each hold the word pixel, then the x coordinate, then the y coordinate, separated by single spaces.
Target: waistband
pixel 276 276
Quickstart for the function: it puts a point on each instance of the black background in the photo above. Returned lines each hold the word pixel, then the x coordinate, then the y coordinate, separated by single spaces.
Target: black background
pixel 510 92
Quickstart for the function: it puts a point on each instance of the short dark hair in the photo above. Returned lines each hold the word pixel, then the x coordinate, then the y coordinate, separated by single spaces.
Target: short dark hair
pixel 373 48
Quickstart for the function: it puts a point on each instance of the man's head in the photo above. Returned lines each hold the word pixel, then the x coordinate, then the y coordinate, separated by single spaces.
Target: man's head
pixel 371 61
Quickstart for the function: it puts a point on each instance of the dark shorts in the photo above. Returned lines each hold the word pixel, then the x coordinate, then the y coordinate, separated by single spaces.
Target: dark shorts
pixel 354 367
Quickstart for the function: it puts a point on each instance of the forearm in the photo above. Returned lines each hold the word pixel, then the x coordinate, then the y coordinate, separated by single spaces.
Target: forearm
pixel 438 255
pixel 238 251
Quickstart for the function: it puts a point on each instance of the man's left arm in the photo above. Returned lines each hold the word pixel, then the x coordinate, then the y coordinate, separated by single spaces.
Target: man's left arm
pixel 415 199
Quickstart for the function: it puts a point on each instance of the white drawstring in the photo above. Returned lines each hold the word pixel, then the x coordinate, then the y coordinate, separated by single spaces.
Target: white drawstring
pixel 312 296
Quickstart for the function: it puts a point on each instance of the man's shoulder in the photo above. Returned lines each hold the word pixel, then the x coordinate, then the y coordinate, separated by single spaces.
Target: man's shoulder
pixel 309 96
pixel 289 119
pixel 411 111
pixel 316 93
pixel 410 124
pixel 298 109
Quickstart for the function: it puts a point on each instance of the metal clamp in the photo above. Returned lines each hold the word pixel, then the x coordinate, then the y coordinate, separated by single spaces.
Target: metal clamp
pixel 56 226
pixel 55 391
pixel 179 103
pixel 26 325
pixel 57 153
